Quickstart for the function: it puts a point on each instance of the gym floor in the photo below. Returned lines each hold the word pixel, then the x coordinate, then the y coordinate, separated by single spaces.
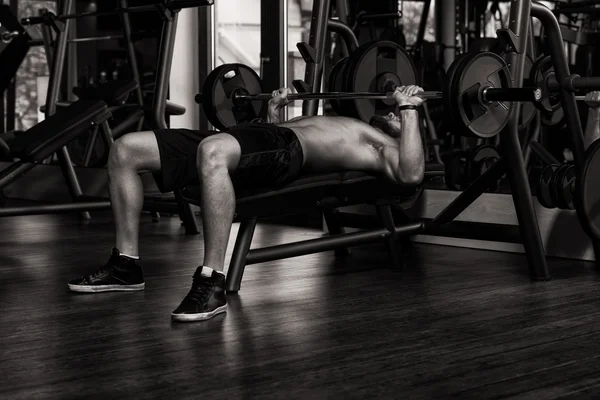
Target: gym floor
pixel 456 322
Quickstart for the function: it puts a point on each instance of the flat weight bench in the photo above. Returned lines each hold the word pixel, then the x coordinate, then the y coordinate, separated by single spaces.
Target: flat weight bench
pixel 46 138
pixel 326 192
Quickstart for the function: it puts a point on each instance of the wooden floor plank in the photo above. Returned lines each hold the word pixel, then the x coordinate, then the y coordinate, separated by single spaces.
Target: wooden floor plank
pixel 457 322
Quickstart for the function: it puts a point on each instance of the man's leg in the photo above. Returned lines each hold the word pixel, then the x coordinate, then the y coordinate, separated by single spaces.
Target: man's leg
pixel 129 155
pixel 217 157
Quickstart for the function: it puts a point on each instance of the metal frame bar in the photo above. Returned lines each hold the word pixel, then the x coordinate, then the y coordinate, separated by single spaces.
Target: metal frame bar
pixel 345 33
pixel 135 71
pixel 56 73
pixel 511 149
pixel 54 208
pixel 317 40
pixel 159 104
pixel 305 247
pixel 561 69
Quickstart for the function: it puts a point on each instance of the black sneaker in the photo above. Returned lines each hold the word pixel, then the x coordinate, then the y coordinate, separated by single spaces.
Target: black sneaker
pixel 205 300
pixel 120 274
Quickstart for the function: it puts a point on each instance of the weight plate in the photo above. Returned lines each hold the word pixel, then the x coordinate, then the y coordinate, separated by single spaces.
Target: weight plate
pixel 217 100
pixel 336 83
pixel 473 74
pixel 528 109
pixel 552 118
pixel 567 188
pixel 543 189
pixel 447 100
pixel 549 104
pixel 556 184
pixel 587 201
pixel 377 67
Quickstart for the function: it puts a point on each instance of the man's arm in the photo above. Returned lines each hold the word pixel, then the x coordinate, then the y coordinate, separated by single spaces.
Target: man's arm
pixel 410 149
pixel 410 167
pixel 592 127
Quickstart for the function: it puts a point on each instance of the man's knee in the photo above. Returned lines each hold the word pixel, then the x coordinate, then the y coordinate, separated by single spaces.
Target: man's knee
pixel 137 150
pixel 121 152
pixel 218 151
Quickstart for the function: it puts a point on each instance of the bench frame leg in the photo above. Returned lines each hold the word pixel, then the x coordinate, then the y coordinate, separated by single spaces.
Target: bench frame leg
pixel 393 242
pixel 334 227
pixel 237 264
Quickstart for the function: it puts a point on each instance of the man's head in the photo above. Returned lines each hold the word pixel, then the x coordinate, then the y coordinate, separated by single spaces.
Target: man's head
pixel 389 124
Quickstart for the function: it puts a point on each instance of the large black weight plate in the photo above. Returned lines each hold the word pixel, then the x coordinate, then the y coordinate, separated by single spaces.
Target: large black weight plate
pixel 549 104
pixel 377 67
pixel 336 83
pixel 473 74
pixel 588 192
pixel 543 189
pixel 528 109
pixel 447 100
pixel 217 100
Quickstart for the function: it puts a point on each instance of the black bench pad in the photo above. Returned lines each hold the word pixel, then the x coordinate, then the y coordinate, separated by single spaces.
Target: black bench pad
pixel 319 190
pixel 313 191
pixel 47 137
pixel 296 197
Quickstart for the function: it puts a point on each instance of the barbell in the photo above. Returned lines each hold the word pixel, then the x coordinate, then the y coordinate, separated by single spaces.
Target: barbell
pixel 477 95
pixel 240 95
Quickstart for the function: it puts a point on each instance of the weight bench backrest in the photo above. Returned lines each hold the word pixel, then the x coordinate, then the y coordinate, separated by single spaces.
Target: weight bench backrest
pixel 56 131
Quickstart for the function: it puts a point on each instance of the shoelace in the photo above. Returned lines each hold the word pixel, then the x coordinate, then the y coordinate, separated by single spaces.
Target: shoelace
pixel 201 289
pixel 108 267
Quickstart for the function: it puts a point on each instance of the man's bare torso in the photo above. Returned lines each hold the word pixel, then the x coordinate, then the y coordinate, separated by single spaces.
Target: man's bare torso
pixel 339 143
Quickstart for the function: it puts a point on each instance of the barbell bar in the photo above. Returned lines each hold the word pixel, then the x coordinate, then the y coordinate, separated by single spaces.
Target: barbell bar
pixel 490 95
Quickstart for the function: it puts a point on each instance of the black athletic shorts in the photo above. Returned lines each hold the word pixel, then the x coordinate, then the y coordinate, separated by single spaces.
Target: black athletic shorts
pixel 271 156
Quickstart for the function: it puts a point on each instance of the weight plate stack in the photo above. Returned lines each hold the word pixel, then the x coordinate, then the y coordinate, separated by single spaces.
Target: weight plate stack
pixel 543 190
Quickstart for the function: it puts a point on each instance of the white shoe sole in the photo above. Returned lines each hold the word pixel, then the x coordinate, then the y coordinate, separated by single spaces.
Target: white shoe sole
pixel 106 288
pixel 198 317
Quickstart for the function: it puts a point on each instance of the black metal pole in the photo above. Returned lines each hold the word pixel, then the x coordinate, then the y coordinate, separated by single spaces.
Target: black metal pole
pixel 317 39
pixel 543 154
pixel 56 73
pixel 312 246
pixel 516 172
pixel 509 94
pixel 54 208
pixel 345 32
pixel 237 264
pixel 470 194
pixel 583 83
pixel 13 172
pixel 561 69
pixel 161 89
pixel 422 25
pixel 135 71
pixel 163 73
pixel 48 43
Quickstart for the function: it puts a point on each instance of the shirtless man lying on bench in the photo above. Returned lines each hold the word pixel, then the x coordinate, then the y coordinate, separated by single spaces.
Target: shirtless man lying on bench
pixel 255 154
